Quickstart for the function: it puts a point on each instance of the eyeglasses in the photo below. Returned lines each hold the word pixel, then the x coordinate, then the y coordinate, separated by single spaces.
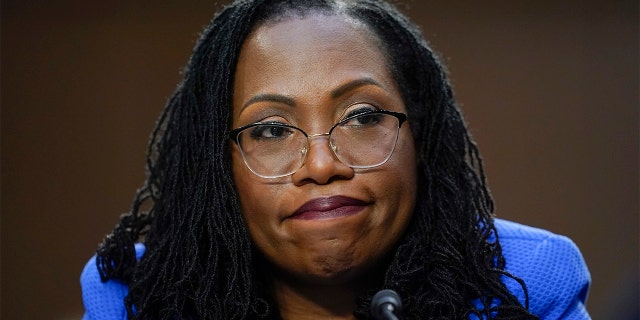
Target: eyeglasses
pixel 364 140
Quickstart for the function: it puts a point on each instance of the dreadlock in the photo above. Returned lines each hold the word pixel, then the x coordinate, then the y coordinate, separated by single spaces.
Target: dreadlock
pixel 199 262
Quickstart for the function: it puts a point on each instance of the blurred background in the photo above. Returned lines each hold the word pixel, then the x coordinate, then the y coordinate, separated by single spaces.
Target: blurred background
pixel 549 88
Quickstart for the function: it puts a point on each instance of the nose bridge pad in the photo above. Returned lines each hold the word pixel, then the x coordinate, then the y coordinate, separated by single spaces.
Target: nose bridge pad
pixel 315 135
pixel 311 137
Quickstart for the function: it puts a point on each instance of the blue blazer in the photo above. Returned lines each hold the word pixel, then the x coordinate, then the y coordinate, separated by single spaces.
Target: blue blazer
pixel 551 266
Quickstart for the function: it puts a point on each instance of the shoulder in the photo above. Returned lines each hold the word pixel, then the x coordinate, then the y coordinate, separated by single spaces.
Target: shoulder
pixel 552 267
pixel 103 300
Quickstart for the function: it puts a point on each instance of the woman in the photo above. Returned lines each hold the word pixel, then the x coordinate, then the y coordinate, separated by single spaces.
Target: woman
pixel 312 156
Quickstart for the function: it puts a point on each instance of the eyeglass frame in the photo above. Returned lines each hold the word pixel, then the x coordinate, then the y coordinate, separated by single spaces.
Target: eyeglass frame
pixel 234 135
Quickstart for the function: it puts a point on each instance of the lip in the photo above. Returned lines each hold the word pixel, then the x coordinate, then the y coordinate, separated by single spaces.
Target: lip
pixel 329 208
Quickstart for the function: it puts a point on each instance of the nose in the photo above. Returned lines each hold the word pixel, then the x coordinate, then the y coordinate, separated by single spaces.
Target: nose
pixel 321 165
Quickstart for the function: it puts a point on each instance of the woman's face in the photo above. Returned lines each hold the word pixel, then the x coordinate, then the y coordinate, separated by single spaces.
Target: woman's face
pixel 326 222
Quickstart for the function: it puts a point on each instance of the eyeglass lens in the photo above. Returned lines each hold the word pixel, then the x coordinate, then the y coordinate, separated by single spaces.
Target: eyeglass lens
pixel 361 141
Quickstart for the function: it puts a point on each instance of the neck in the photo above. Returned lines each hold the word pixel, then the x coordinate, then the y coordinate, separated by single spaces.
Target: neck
pixel 315 301
pixel 299 299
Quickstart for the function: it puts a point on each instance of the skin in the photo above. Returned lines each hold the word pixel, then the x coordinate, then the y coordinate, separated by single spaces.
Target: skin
pixel 306 72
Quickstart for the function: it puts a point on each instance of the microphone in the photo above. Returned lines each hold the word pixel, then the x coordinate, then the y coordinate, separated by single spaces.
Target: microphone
pixel 385 305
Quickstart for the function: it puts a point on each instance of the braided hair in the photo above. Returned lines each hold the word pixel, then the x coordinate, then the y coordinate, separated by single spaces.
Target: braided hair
pixel 199 261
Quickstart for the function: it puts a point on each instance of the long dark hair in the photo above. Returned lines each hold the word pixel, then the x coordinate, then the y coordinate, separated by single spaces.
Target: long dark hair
pixel 199 262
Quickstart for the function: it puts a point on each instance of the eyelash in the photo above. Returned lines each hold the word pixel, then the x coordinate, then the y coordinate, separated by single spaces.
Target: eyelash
pixel 366 107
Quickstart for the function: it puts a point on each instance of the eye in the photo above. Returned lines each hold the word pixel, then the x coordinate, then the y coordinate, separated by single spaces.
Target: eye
pixel 366 119
pixel 361 115
pixel 270 131
pixel 358 108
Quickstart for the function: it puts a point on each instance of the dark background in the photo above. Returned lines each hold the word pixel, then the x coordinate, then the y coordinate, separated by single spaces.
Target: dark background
pixel 550 89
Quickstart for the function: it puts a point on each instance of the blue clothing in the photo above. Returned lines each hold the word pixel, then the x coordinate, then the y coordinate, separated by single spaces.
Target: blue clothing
pixel 551 266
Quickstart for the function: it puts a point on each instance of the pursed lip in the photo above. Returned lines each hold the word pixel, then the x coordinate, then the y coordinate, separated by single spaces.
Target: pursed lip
pixel 329 207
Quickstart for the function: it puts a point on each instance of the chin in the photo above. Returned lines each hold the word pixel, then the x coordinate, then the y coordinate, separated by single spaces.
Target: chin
pixel 340 269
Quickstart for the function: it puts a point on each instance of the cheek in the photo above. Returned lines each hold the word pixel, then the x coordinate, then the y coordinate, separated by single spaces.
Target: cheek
pixel 405 165
pixel 395 190
pixel 256 202
pixel 404 177
pixel 248 191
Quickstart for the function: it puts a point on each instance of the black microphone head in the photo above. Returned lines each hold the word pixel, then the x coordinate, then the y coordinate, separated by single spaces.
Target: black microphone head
pixel 383 302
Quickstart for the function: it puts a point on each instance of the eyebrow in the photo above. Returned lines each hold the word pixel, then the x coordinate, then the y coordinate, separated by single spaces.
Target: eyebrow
pixel 352 85
pixel 335 93
pixel 272 98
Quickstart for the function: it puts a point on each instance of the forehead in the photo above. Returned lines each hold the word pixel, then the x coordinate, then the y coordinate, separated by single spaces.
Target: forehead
pixel 314 52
